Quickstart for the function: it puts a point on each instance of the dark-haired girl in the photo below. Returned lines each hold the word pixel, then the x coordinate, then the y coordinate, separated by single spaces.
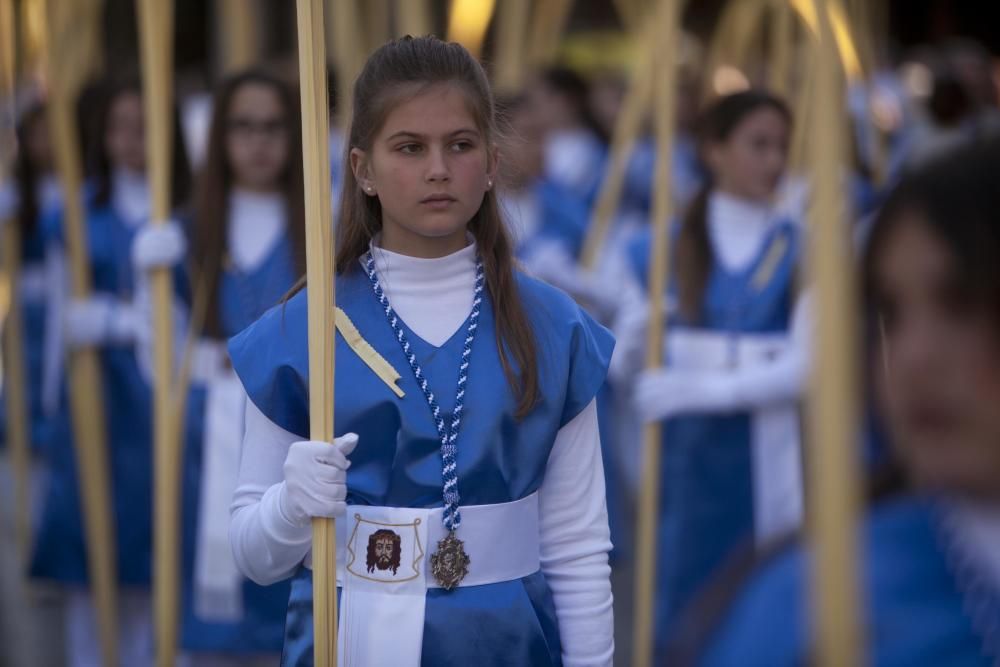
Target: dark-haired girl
pixel 930 548
pixel 735 355
pixel 114 321
pixel 247 251
pixel 465 408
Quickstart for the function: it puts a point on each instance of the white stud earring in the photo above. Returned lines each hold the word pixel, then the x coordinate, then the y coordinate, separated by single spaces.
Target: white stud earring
pixel 489 183
pixel 370 189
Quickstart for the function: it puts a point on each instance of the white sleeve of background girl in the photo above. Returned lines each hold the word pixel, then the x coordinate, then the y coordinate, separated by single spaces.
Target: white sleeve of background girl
pixel 267 547
pixel 575 541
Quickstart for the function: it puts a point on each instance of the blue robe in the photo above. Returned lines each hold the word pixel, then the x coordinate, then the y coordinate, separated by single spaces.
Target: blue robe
pixel 60 552
pixel 706 508
pixel 398 463
pixel 33 339
pixel 242 298
pixel 914 613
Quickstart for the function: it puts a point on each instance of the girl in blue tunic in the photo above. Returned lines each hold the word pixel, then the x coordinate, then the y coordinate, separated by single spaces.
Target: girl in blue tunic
pixel 248 250
pixel 27 200
pixel 930 551
pixel 112 320
pixel 735 361
pixel 466 476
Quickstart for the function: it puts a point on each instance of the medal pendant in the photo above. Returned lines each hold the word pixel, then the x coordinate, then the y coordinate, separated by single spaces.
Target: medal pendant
pixel 450 563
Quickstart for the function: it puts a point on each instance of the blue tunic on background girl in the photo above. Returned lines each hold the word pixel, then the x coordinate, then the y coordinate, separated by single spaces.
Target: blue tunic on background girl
pixel 915 606
pixel 242 298
pixel 398 461
pixel 60 552
pixel 707 504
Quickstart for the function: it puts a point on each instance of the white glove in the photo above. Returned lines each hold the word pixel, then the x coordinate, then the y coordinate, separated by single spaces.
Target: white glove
pixel 664 393
pixel 316 479
pixel 97 320
pixel 9 202
pixel 158 246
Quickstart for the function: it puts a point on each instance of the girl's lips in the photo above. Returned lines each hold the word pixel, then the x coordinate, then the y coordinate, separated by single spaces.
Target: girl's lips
pixel 438 201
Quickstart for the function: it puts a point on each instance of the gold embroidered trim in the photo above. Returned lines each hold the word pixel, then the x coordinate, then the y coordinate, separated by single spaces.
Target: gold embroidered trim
pixel 367 353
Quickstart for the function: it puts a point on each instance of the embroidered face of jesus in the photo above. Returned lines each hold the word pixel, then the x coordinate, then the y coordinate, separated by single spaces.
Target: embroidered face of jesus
pixel 384 551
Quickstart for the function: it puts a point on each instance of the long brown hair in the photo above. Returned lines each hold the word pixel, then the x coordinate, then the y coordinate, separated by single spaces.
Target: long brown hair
pixel 210 229
pixel 390 71
pixel 694 249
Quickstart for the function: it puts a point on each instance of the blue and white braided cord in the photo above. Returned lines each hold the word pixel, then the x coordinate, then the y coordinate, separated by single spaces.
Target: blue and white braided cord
pixel 448 435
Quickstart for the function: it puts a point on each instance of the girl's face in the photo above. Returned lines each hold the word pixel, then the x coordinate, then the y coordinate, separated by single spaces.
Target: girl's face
pixel 256 138
pixel 749 163
pixel 430 167
pixel 938 377
pixel 125 139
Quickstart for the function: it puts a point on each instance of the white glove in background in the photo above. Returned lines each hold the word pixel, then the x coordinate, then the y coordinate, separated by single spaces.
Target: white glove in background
pixel 158 246
pixel 664 393
pixel 98 320
pixel 316 479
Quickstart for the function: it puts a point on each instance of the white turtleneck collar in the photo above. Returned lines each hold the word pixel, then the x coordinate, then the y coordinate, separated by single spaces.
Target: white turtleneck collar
pixel 130 196
pixel 256 222
pixel 432 296
pixel 737 228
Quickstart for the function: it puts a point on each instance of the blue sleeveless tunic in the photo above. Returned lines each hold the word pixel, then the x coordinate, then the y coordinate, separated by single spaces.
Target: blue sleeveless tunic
pixel 242 298
pixel 33 339
pixel 915 610
pixel 60 552
pixel 707 488
pixel 398 463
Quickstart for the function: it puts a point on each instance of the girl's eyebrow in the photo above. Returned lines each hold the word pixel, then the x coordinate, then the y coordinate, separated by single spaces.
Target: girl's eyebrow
pixel 406 134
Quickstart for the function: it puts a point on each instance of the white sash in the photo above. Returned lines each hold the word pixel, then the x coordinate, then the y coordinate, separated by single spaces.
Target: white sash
pixel 775 430
pixel 218 583
pixel 383 599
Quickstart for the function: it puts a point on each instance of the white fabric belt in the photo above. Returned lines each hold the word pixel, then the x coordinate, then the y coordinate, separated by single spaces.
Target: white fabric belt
pixel 501 540
pixel 693 349
pixel 383 565
pixel 31 283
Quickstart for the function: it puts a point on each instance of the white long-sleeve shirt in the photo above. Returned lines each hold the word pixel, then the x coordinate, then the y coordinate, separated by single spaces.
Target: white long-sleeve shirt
pixel 434 296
